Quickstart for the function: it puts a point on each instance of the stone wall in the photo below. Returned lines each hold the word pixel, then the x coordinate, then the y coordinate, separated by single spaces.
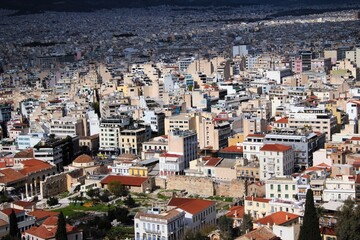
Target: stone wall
pixel 204 186
pixel 53 185
pixel 234 188
pixel 160 182
pixel 193 185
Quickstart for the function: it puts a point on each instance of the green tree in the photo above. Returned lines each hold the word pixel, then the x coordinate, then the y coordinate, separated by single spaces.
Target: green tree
pixel 310 229
pixel 130 202
pixel 246 224
pixel 9 237
pixel 61 228
pixel 116 188
pixel 348 221
pixel 225 225
pixel 14 229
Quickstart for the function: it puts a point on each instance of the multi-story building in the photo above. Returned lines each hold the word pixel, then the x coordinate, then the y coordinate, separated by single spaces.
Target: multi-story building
pixel 257 207
pixel 183 121
pixel 132 137
pixel 276 160
pixel 340 188
pixel 213 133
pixel 316 119
pixel 199 213
pixel 252 145
pixel 109 140
pixel 59 152
pixel 67 126
pixel 184 143
pixel 154 147
pixel 5 112
pixel 156 121
pixel 282 187
pixel 304 143
pixel 168 225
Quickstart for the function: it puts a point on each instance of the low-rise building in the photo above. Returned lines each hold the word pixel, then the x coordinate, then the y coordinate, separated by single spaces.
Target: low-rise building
pixel 168 225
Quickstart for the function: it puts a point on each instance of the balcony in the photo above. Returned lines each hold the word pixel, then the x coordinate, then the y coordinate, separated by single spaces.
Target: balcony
pixel 152 231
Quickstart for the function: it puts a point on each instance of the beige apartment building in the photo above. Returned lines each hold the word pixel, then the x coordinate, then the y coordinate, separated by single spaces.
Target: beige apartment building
pixel 213 133
pixel 131 139
pixel 67 126
pixel 317 119
pixel 183 121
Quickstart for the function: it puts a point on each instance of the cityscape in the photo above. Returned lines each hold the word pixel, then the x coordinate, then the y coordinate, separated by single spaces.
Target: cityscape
pixel 183 120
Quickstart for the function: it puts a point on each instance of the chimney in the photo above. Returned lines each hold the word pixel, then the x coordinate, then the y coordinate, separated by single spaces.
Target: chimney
pixel 287 217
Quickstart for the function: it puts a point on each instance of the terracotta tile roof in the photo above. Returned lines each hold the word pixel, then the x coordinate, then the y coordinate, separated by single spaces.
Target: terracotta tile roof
pixel 125 180
pixel 84 158
pixel 232 149
pixel 355 139
pixel 170 155
pixel 261 233
pixel 41 214
pixel 277 218
pixel 28 153
pixel 328 231
pixel 8 211
pixel 41 232
pixel 236 212
pixel 256 135
pixel 190 205
pixel 257 199
pixel 213 162
pixel 24 204
pixel 9 176
pixel 47 233
pixel 51 221
pixel 34 166
pixel 282 120
pixel 275 147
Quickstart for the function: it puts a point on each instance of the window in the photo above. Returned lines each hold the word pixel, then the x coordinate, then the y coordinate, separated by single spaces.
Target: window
pixel 286 187
pixel 271 186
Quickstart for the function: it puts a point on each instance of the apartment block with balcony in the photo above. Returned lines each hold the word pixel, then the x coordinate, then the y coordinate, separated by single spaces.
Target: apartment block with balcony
pixel 109 140
pixel 67 126
pixel 282 187
pixel 168 225
pixel 317 119
pixel 340 188
pixel 252 145
pixel 303 142
pixel 132 137
pixel 276 160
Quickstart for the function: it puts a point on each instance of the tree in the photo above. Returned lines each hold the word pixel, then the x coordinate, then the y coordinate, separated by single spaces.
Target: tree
pixel 14 229
pixel 52 201
pixel 310 229
pixel 61 228
pixel 225 225
pixel 348 221
pixel 246 224
pixel 116 188
pixel 130 202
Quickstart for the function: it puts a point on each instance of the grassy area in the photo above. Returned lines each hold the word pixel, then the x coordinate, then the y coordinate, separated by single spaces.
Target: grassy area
pixel 218 198
pixel 63 195
pixel 73 210
pixel 162 197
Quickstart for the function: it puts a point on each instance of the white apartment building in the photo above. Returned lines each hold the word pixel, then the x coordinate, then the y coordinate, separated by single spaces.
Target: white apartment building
pixel 67 126
pixel 252 145
pixel 154 147
pixel 276 160
pixel 93 123
pixel 199 213
pixel 160 226
pixel 281 187
pixel 339 188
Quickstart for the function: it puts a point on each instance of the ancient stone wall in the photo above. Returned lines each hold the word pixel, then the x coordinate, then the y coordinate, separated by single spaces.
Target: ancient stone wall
pixel 235 188
pixel 53 185
pixel 193 185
